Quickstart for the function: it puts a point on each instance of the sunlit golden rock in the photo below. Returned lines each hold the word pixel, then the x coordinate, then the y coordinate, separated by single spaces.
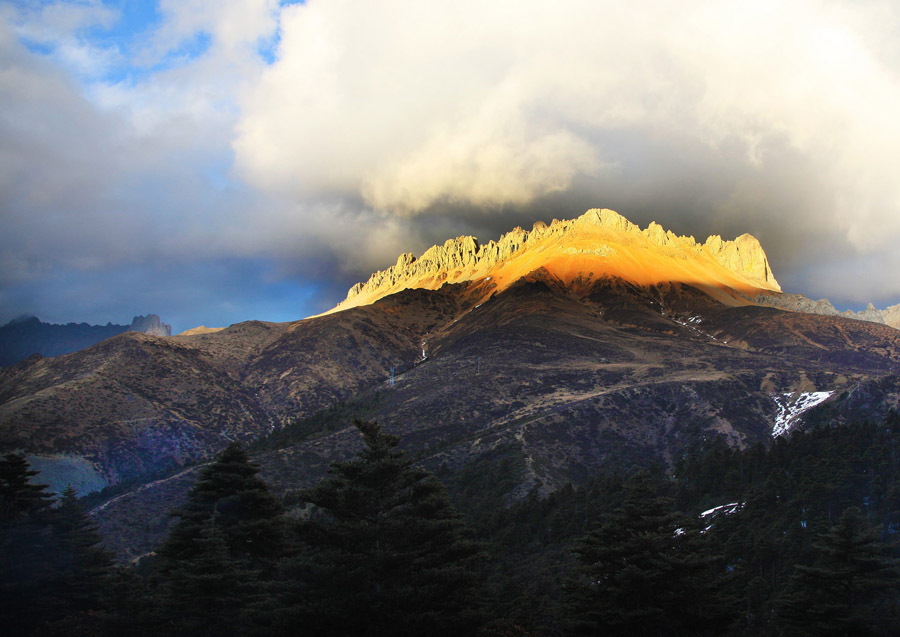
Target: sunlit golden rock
pixel 598 243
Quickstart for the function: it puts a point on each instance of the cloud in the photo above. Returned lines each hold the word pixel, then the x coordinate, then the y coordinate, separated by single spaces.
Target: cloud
pixel 236 28
pixel 304 145
pixel 99 174
pixel 706 116
pixel 121 166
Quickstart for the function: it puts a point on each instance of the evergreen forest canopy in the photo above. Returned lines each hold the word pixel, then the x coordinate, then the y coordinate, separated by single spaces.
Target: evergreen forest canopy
pixel 798 537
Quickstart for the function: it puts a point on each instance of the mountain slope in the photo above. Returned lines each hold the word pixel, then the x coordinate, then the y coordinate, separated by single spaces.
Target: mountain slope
pixel 135 405
pixel 563 384
pixel 572 345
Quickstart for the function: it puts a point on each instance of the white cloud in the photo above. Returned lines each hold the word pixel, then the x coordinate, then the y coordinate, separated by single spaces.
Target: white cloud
pixel 58 25
pixel 236 26
pixel 789 108
pixel 96 174
pixel 384 125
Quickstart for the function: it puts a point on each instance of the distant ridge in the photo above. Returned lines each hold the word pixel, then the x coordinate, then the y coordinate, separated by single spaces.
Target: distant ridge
pixel 799 303
pixel 27 335
pixel 598 243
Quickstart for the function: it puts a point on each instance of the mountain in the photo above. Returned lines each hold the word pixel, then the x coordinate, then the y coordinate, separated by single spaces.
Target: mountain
pixel 25 336
pixel 604 243
pixel 556 385
pixel 556 352
pixel 579 252
pixel 135 404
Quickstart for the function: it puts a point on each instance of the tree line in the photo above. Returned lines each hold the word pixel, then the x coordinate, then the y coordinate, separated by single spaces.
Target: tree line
pixel 805 545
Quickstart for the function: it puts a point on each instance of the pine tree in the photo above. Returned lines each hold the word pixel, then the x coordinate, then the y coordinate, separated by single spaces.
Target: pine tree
pixel 849 588
pixel 19 497
pixel 645 571
pixel 207 593
pixel 383 552
pixel 249 516
pixel 26 547
pixel 79 586
pixel 220 554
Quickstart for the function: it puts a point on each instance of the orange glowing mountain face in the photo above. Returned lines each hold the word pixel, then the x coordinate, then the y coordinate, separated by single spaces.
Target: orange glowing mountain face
pixel 578 252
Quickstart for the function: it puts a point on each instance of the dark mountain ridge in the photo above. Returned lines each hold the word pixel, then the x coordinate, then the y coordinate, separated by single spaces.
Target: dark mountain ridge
pixel 28 335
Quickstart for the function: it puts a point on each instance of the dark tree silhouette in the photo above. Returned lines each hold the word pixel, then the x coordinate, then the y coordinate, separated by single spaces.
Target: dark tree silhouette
pixel 645 570
pixel 218 559
pixel 246 513
pixel 849 588
pixel 26 542
pixel 383 551
pixel 53 572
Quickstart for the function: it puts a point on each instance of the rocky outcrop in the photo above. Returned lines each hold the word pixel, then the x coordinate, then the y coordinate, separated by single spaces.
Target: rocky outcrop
pixel 150 324
pixel 797 303
pixel 744 256
pixel 464 259
pixel 464 255
pixel 891 315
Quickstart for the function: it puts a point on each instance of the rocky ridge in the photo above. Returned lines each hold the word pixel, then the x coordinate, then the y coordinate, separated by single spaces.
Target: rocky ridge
pixel 464 258
pixel 798 303
pixel 28 335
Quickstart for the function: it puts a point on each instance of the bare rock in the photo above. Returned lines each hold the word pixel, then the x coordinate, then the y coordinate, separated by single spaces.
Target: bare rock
pixel 743 256
pixel 150 324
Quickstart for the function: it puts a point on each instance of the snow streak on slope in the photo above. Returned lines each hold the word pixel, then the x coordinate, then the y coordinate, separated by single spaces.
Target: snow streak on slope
pixel 791 405
pixel 725 509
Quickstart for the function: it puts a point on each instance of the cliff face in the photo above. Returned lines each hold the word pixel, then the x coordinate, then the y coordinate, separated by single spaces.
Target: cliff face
pixel 596 244
pixel 745 256
pixel 603 243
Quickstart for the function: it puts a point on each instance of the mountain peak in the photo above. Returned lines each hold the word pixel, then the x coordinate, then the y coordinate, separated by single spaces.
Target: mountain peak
pixel 599 243
pixel 150 324
pixel 23 318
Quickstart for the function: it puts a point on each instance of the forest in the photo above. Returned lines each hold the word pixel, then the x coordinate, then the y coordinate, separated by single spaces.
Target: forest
pixel 791 538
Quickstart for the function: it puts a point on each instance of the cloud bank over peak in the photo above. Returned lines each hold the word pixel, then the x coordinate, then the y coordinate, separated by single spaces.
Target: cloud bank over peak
pixel 405 105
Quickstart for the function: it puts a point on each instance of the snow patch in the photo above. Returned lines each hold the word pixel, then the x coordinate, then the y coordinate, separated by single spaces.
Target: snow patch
pixel 792 405
pixel 696 320
pixel 727 509
pixel 722 509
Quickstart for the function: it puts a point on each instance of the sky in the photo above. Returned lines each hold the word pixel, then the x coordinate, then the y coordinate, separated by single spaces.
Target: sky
pixel 226 160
